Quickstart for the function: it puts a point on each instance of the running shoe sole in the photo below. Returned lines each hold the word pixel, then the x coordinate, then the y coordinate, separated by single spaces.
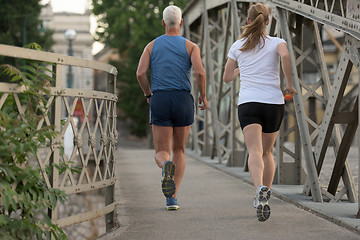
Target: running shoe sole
pixel 264 195
pixel 263 209
pixel 172 207
pixel 263 212
pixel 168 184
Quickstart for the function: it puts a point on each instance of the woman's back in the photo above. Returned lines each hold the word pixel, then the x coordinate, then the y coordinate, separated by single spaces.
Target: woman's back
pixel 259 71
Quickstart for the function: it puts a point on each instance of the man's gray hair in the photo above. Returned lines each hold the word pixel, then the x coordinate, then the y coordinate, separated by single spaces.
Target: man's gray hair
pixel 172 16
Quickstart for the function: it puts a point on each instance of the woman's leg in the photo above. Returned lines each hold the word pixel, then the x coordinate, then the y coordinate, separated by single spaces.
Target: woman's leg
pixel 179 140
pixel 253 139
pixel 268 141
pixel 259 169
pixel 162 142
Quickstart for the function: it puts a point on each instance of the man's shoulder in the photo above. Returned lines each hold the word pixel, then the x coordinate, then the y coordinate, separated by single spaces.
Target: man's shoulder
pixel 191 46
pixel 190 43
pixel 150 46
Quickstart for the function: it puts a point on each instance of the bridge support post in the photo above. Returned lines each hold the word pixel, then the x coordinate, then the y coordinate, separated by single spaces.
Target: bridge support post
pixel 300 113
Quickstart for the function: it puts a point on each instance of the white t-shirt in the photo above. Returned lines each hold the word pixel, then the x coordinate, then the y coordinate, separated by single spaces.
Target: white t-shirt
pixel 259 72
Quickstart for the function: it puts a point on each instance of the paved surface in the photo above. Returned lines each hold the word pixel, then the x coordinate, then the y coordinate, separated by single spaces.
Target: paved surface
pixel 215 203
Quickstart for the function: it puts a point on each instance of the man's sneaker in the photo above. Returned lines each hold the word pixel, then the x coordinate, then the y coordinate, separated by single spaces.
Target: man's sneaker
pixel 171 204
pixel 261 203
pixel 168 184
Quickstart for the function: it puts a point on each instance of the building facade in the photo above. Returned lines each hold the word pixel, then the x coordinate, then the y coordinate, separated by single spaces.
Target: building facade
pixel 59 22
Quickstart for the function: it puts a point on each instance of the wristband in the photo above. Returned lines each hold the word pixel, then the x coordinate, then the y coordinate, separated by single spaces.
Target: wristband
pixel 148 96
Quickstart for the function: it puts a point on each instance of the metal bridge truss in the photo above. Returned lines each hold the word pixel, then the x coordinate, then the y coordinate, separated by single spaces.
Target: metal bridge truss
pixel 305 134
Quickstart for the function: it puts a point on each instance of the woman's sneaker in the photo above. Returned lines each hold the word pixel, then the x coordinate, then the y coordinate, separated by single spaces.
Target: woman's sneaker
pixel 261 203
pixel 172 204
pixel 167 183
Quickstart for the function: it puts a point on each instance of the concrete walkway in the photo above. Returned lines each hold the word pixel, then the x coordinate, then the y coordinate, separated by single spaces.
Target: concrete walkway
pixel 214 204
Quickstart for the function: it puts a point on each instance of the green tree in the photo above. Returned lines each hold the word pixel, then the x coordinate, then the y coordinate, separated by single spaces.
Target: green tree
pixel 129 25
pixel 20 25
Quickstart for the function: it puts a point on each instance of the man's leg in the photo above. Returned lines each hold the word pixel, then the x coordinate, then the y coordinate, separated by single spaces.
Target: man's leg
pixel 162 142
pixel 179 140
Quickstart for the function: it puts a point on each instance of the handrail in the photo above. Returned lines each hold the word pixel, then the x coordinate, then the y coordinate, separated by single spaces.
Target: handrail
pixel 18 52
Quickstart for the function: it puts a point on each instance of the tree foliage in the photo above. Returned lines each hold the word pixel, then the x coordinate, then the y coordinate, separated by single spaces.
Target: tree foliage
pixel 20 25
pixel 24 196
pixel 128 25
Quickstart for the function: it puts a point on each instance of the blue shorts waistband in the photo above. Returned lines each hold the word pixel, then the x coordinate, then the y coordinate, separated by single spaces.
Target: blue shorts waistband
pixel 171 90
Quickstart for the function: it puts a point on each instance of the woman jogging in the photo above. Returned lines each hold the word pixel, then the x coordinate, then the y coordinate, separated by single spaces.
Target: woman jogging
pixel 255 57
pixel 170 58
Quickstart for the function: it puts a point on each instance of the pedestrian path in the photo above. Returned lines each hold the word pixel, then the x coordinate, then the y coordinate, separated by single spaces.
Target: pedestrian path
pixel 213 205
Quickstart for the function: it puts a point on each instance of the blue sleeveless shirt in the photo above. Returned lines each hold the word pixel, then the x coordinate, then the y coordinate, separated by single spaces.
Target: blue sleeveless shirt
pixel 170 64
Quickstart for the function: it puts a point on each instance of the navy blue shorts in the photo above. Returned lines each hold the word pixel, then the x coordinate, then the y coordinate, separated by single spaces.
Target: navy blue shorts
pixel 173 108
pixel 269 116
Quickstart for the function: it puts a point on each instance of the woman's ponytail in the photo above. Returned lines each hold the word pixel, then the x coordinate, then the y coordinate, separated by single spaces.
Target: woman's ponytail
pixel 253 32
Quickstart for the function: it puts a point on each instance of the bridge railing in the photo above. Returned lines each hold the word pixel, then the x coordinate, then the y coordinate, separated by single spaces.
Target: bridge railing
pixel 324 112
pixel 92 138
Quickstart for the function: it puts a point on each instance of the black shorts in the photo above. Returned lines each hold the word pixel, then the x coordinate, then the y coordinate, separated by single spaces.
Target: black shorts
pixel 173 108
pixel 269 116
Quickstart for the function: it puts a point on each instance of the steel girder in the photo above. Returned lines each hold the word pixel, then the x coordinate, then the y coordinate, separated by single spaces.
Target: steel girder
pixel 305 134
pixel 215 132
